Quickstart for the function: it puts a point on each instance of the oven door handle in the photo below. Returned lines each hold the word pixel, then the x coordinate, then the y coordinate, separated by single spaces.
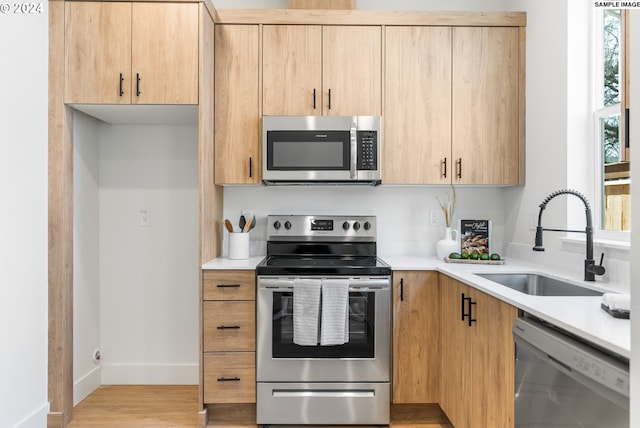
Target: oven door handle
pixel 323 393
pixel 354 285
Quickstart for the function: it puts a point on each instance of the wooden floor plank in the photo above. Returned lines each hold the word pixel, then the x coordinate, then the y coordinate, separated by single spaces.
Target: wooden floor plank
pixel 138 406
pixel 132 406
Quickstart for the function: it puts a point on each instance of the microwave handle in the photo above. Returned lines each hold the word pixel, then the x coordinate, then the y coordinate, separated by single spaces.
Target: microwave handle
pixel 354 150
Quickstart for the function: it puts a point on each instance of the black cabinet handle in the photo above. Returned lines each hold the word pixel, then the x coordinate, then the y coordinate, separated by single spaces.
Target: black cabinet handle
pixel 444 167
pixel 250 166
pixel 228 327
pixel 228 379
pixel 329 99
pixel 459 167
pixel 228 285
pixel 121 80
pixel 468 315
pixel 138 84
pixel 462 300
pixel 314 98
pixel 401 289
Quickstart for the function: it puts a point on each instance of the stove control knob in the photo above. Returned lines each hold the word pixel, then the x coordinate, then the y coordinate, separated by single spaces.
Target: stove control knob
pixel 287 225
pixel 356 226
pixel 276 225
pixel 345 225
pixel 367 225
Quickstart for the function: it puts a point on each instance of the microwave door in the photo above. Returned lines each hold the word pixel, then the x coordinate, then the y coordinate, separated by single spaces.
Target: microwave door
pixel 309 155
pixel 353 138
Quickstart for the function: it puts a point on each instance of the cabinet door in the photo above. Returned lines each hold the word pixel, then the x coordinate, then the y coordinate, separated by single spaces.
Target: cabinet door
pixel 485 129
pixel 456 385
pixel 164 51
pixel 352 70
pixel 417 126
pixel 416 337
pixel 292 70
pixel 493 354
pixel 237 114
pixel 98 52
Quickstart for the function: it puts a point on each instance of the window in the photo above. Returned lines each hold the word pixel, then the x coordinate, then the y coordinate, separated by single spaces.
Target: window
pixel 610 119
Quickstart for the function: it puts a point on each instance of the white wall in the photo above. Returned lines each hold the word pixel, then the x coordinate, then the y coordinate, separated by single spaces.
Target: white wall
pixel 87 374
pixel 148 275
pixel 23 220
pixel 402 212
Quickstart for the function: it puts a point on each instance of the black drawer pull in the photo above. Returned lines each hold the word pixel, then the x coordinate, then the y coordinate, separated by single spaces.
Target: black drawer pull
pixel 228 285
pixel 228 327
pixel 229 379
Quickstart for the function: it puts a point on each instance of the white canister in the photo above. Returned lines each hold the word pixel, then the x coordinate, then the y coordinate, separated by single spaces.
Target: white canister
pixel 238 245
pixel 449 244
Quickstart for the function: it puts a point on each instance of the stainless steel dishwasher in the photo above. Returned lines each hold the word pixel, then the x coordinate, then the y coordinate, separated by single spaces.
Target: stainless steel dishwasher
pixel 562 382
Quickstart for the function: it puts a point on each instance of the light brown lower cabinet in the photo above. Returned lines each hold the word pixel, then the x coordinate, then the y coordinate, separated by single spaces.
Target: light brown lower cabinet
pixel 416 337
pixel 230 377
pixel 228 337
pixel 477 357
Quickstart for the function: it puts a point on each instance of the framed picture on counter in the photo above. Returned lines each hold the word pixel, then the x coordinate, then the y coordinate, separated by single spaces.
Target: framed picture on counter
pixel 475 236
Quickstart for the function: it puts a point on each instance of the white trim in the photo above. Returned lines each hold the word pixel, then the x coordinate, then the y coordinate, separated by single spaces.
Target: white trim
pixel 88 383
pixel 37 419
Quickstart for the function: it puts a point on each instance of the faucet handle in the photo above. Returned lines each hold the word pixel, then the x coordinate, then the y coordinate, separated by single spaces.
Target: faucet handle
pixel 598 269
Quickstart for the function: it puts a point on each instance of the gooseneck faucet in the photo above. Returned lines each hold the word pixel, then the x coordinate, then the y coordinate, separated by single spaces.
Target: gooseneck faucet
pixel 590 268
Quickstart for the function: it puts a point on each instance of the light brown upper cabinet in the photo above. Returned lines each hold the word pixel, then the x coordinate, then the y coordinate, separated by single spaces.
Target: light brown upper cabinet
pixel 322 70
pixel 453 107
pixel 237 111
pixel 417 117
pixel 131 53
pixel 486 116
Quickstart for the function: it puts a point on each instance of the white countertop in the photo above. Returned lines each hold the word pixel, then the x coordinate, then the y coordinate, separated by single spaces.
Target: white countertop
pixel 581 316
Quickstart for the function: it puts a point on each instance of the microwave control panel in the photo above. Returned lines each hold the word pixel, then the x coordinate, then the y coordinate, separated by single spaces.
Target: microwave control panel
pixel 367 150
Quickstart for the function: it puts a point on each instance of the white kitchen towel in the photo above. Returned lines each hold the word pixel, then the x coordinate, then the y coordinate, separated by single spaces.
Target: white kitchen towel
pixel 334 328
pixel 306 308
pixel 617 302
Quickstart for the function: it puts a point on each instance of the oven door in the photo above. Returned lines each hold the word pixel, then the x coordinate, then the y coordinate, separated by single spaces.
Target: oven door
pixel 365 358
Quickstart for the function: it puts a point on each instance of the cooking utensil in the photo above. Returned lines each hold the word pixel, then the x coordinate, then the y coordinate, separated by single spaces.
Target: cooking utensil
pixel 244 216
pixel 228 225
pixel 247 225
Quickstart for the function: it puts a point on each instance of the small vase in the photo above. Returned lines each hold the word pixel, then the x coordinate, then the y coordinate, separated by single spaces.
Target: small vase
pixel 449 244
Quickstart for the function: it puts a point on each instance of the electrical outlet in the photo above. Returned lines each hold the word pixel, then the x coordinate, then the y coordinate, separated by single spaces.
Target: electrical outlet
pixel 144 220
pixel 434 218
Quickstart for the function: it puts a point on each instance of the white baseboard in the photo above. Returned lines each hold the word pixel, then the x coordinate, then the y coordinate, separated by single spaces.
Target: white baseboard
pixel 88 383
pixel 150 374
pixel 37 419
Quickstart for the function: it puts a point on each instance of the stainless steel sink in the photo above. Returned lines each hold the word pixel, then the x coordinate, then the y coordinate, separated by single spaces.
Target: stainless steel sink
pixel 538 285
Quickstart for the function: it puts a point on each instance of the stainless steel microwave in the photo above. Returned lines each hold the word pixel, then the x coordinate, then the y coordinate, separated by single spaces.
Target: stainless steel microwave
pixel 321 149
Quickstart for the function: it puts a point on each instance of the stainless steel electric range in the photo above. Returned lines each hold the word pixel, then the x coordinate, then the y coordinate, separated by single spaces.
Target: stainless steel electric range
pixel 323 323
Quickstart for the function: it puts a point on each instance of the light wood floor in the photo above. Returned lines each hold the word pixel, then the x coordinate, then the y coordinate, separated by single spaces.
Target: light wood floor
pixel 132 406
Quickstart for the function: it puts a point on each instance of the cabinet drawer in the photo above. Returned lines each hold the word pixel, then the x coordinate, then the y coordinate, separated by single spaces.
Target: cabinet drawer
pixel 229 326
pixel 230 377
pixel 229 285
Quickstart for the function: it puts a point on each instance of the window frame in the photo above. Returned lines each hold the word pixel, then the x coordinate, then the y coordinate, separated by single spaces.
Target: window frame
pixel 601 112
